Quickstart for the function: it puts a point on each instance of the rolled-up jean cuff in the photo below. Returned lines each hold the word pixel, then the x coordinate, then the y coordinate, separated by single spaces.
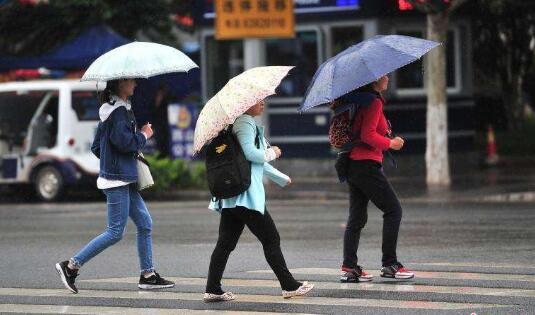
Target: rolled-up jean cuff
pixel 144 271
pixel 75 263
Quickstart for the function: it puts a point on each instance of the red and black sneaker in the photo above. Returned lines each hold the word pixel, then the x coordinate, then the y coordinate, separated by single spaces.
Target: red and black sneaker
pixel 353 275
pixel 396 271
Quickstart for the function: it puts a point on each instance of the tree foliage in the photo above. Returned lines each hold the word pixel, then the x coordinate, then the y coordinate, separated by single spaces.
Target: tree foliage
pixel 436 6
pixel 27 29
pixel 504 50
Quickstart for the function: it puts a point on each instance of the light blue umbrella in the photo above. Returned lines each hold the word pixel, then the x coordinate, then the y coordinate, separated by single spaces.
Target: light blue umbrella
pixel 138 60
pixel 361 64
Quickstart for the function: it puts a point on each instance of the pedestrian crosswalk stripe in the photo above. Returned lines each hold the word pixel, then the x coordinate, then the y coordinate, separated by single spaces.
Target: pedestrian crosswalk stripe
pixel 106 310
pixel 246 298
pixel 402 287
pixel 419 274
pixel 476 264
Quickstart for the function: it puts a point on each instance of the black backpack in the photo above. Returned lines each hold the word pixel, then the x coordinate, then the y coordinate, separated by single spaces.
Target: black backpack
pixel 228 171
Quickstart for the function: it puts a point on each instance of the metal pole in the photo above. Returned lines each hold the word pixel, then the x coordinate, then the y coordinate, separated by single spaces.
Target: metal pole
pixel 254 55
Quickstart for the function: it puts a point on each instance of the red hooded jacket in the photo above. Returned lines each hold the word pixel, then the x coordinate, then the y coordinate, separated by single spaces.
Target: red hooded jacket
pixel 373 127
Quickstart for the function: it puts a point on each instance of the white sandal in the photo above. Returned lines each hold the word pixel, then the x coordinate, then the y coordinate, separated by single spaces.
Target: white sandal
pixel 301 291
pixel 210 297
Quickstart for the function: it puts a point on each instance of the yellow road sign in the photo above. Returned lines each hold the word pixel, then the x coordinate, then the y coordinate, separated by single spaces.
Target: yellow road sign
pixel 236 19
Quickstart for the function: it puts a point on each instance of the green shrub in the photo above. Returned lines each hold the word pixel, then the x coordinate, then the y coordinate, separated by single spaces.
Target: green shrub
pixel 519 142
pixel 172 174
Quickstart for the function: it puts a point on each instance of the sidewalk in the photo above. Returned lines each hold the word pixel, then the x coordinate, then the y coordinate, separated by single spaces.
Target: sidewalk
pixel 513 181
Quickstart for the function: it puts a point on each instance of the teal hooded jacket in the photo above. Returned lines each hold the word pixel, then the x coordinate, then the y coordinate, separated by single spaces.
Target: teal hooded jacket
pixel 253 198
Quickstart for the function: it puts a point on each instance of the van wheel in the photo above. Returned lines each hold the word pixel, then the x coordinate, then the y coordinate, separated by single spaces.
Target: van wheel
pixel 48 184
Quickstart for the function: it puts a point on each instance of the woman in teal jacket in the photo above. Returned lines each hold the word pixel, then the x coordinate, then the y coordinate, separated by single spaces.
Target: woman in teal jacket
pixel 249 209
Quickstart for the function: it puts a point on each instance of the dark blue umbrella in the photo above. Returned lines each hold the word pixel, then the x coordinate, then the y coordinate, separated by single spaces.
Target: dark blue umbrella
pixel 361 64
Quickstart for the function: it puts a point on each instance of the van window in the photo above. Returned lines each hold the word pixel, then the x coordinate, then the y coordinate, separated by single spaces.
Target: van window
pixel 16 112
pixel 86 105
pixel 43 130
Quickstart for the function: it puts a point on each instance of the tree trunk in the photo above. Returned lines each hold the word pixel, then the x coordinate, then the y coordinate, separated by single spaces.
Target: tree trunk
pixel 512 93
pixel 436 156
pixel 515 104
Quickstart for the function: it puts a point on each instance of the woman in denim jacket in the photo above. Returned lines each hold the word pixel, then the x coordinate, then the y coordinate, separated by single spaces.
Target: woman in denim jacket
pixel 117 142
pixel 249 209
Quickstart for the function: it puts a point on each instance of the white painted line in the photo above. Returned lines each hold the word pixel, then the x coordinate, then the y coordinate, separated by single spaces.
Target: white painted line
pixel 106 310
pixel 475 264
pixel 419 274
pixel 246 298
pixel 382 287
pixel 528 196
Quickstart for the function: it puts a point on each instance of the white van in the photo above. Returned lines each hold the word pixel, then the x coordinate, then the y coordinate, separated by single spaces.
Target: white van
pixel 46 131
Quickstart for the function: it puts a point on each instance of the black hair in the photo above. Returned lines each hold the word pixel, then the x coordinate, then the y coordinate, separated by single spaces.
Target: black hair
pixel 112 88
pixel 367 88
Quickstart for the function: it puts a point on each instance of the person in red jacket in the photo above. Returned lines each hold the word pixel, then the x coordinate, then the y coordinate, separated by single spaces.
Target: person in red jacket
pixel 367 182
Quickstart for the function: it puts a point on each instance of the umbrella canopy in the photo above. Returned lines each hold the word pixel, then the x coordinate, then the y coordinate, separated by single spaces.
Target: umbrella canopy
pixel 361 64
pixel 138 60
pixel 234 99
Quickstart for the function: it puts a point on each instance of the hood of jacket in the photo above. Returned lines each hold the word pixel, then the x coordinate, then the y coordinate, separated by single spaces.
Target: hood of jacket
pixel 107 108
pixel 361 98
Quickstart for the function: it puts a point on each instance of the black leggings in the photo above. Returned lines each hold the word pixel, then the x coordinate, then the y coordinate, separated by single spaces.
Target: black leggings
pixel 368 182
pixel 233 220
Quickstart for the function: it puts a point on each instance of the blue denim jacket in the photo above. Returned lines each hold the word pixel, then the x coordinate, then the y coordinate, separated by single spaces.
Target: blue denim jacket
pixel 116 143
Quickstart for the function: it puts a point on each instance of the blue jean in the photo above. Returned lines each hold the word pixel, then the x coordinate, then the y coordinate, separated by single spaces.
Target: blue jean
pixel 123 202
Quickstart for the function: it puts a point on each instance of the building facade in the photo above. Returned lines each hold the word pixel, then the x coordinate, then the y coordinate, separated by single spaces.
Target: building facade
pixel 323 28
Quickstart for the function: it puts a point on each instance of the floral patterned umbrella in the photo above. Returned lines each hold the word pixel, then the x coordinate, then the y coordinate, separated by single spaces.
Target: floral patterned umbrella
pixel 234 99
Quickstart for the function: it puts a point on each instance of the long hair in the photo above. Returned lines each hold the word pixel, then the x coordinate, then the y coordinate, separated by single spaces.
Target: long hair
pixel 112 88
pixel 368 88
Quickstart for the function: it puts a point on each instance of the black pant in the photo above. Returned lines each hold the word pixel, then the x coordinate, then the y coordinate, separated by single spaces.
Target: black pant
pixel 233 220
pixel 368 182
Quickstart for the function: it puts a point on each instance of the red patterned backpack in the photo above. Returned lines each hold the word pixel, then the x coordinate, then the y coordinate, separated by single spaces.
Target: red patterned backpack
pixel 340 132
pixel 344 111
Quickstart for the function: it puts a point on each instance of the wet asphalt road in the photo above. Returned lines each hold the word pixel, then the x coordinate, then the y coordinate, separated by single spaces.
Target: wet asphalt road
pixel 469 257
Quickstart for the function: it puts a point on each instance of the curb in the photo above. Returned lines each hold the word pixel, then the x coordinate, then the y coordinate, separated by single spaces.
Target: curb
pixel 204 195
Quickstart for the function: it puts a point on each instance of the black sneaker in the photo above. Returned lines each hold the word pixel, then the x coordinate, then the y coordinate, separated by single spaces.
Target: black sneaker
pixel 67 276
pixel 396 271
pixel 353 275
pixel 154 282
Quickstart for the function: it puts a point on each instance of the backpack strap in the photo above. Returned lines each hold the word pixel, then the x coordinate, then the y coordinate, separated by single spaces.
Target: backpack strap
pixel 131 117
pixel 388 152
pixel 257 138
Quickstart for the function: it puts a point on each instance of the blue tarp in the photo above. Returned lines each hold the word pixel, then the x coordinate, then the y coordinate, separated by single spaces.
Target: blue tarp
pixel 79 53
pixel 76 54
